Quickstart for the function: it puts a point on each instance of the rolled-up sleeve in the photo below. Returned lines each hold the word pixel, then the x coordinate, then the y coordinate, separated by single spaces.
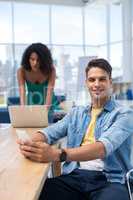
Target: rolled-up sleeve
pixel 117 133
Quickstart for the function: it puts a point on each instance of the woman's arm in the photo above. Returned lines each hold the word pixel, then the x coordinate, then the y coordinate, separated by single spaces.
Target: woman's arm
pixel 51 84
pixel 21 84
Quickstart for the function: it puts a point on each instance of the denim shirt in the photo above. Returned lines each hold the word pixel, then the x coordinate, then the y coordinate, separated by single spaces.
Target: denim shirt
pixel 114 128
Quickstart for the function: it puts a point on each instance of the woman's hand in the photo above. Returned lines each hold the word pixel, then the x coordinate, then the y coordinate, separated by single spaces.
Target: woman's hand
pixel 47 106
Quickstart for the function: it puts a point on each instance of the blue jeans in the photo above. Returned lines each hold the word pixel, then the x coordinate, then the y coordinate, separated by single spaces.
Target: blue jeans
pixel 83 185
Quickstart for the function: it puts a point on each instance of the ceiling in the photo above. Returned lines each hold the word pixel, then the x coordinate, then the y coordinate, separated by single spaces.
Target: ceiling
pixel 69 2
pixel 59 2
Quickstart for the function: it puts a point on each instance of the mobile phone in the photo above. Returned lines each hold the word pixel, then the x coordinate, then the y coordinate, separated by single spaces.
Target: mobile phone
pixel 22 135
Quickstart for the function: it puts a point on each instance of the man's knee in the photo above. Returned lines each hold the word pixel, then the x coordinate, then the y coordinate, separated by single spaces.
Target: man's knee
pixel 111 191
pixel 57 188
pixel 48 185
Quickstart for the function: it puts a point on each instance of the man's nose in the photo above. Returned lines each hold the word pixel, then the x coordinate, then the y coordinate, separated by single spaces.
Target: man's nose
pixel 97 83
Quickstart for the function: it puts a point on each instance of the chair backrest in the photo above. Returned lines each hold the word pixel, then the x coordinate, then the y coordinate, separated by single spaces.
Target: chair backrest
pixel 13 101
pixel 16 100
pixel 129 180
pixel 4 115
pixel 60 98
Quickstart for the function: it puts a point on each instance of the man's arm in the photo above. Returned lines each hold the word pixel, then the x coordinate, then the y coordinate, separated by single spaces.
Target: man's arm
pixel 54 132
pixel 59 129
pixel 110 140
pixel 86 152
pixel 42 152
pixel 115 135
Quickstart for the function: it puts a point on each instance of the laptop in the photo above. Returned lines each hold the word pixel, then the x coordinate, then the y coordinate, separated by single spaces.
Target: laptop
pixel 28 116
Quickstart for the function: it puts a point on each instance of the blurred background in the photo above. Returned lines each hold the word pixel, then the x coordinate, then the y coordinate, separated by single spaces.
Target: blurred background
pixel 76 31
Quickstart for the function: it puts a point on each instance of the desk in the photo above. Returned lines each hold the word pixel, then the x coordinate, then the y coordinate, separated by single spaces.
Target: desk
pixel 20 178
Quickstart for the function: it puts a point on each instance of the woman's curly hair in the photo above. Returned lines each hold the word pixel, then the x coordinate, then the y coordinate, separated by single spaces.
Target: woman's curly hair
pixel 44 56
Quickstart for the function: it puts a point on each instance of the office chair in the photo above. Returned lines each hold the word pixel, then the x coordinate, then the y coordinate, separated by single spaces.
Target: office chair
pixel 16 100
pixel 4 114
pixel 13 101
pixel 129 179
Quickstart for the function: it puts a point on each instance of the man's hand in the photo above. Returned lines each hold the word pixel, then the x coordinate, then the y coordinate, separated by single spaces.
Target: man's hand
pixel 38 137
pixel 39 151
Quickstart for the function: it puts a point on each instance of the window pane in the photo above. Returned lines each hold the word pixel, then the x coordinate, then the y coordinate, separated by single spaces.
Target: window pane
pixel 102 52
pixel 95 25
pixel 6 72
pixel 19 50
pixel 116 59
pixel 66 25
pixel 5 22
pixel 99 51
pixel 66 62
pixel 91 51
pixel 116 23
pixel 31 23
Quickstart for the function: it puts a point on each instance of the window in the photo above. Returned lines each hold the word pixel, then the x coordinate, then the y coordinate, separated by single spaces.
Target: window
pixel 6 71
pixel 31 23
pixel 116 23
pixel 5 22
pixel 66 25
pixel 66 62
pixel 61 28
pixel 95 25
pixel 116 59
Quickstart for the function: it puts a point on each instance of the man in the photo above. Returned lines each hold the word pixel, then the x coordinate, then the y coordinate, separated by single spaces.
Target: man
pixel 98 150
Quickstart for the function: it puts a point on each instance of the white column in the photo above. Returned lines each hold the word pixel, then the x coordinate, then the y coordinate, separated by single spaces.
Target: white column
pixel 108 30
pixel 127 40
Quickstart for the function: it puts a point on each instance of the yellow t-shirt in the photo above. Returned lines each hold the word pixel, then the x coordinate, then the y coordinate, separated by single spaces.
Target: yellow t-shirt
pixel 89 137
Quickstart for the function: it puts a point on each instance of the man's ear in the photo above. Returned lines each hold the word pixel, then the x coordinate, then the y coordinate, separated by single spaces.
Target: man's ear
pixel 86 82
pixel 111 81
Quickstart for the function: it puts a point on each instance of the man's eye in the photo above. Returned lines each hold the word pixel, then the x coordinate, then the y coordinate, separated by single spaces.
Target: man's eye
pixel 91 80
pixel 103 79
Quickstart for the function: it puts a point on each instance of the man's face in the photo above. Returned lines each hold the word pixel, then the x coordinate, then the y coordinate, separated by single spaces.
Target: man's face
pixel 98 83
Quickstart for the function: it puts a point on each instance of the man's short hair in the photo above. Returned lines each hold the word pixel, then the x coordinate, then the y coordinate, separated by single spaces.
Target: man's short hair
pixel 100 63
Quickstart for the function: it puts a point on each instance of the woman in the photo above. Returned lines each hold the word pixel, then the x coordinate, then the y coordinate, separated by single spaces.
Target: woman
pixel 38 74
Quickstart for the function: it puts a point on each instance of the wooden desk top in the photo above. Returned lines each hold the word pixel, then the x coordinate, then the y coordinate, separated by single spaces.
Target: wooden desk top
pixel 20 178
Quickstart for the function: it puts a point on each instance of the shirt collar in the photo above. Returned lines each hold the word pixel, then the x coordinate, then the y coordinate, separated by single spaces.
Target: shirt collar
pixel 109 106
